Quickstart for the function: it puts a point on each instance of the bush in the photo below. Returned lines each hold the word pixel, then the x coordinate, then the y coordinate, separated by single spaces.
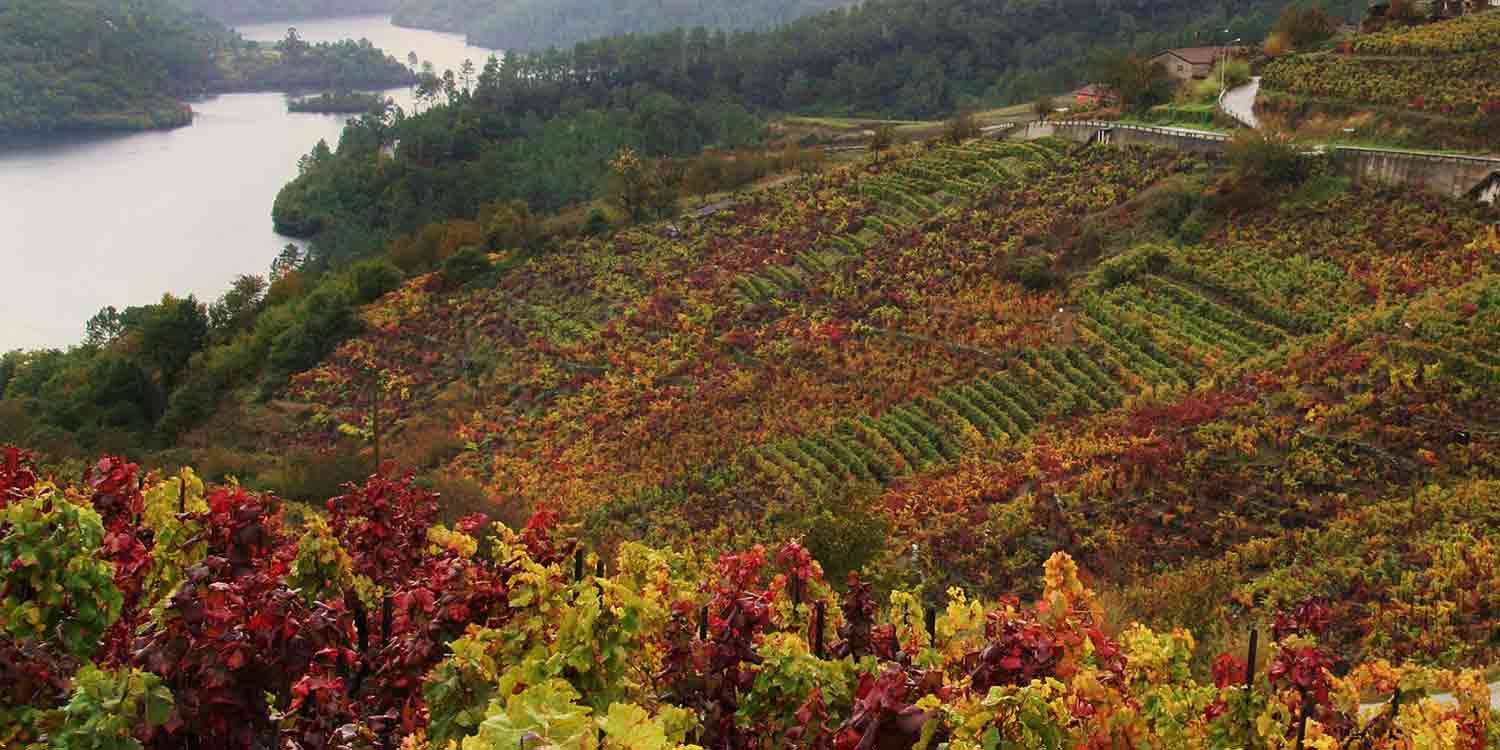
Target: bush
pixel 1033 272
pixel 961 128
pixel 467 264
pixel 596 224
pixel 1264 158
pixel 314 476
pixel 372 279
pixel 1193 227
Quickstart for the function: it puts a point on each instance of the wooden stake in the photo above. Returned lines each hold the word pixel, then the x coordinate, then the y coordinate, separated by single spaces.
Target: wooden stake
pixel 375 418
pixel 1307 707
pixel 1250 688
pixel 820 611
pixel 703 623
pixel 578 564
pixel 385 618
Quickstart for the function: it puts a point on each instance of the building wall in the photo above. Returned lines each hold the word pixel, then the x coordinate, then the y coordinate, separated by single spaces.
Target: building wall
pixel 1176 67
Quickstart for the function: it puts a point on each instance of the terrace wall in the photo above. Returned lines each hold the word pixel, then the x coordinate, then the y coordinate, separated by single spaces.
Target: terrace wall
pixel 1451 175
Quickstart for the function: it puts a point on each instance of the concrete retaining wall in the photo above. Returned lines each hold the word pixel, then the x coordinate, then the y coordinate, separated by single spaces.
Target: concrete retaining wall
pixel 1084 131
pixel 1453 176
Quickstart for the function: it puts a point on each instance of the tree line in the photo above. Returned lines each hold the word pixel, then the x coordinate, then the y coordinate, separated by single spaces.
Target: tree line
pixel 86 64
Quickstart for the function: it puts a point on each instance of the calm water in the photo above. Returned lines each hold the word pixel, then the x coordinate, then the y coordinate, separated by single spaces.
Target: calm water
pixel 118 220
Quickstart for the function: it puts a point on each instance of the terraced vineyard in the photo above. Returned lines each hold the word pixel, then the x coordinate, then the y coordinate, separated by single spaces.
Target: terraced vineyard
pixel 937 375
pixel 854 353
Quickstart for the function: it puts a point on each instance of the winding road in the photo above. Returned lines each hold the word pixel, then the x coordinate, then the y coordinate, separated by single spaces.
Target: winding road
pixel 1239 103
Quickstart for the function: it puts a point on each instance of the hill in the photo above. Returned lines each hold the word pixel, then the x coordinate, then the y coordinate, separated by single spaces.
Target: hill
pixel 535 25
pixel 962 444
pixel 243 11
pixel 1039 390
pixel 87 65
pixel 1431 85
pixel 858 358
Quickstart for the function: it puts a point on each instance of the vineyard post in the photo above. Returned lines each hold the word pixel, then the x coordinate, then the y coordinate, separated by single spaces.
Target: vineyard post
pixel 182 496
pixel 385 618
pixel 375 417
pixel 819 612
pixel 578 564
pixel 796 594
pixel 703 623
pixel 1250 688
pixel 362 627
pixel 1307 706
pixel 932 625
pixel 599 566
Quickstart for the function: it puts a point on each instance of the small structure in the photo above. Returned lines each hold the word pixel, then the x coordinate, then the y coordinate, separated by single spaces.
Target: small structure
pixel 1488 190
pixel 1189 63
pixel 1094 95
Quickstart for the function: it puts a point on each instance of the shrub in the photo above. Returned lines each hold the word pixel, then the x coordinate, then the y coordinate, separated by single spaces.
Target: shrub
pixel 467 264
pixel 372 279
pixel 1265 158
pixel 595 225
pixel 961 128
pixel 315 476
pixel 1033 272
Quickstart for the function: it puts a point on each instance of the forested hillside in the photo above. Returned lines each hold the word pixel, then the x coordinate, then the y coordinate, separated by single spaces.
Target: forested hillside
pixel 1042 430
pixel 241 11
pixel 91 65
pixel 540 127
pixel 893 57
pixel 539 24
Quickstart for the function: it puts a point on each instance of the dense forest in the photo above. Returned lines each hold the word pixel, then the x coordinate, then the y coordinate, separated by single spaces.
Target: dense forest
pixel 91 65
pixel 241 11
pixel 539 24
pixel 539 127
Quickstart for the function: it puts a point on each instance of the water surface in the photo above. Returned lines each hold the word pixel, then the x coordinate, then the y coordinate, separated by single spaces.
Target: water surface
pixel 118 220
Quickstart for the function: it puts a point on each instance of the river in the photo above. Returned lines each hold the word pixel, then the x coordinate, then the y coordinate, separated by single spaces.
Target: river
pixel 120 219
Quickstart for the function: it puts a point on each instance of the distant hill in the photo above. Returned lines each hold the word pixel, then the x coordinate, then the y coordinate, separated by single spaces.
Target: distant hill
pixel 240 11
pixel 90 65
pixel 538 24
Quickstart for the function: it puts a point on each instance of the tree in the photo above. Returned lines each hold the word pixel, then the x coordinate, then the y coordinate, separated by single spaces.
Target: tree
pixel 510 224
pixel 466 74
pixel 635 185
pixel 1301 27
pixel 1138 82
pixel 286 261
pixel 884 138
pixel 104 327
pixel 962 127
pixel 701 177
pixel 173 331
pixel 1043 107
pixel 1263 158
pixel 237 307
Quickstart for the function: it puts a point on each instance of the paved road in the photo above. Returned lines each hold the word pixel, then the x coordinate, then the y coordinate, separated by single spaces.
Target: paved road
pixel 1239 102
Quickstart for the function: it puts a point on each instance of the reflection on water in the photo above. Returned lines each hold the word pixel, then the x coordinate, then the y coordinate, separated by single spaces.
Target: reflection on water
pixel 120 219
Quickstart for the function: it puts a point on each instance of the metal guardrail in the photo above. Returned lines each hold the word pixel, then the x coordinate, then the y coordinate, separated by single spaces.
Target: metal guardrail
pixel 1107 125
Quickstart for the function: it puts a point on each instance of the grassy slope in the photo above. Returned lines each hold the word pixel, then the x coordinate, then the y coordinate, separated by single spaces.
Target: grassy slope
pixel 1205 425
